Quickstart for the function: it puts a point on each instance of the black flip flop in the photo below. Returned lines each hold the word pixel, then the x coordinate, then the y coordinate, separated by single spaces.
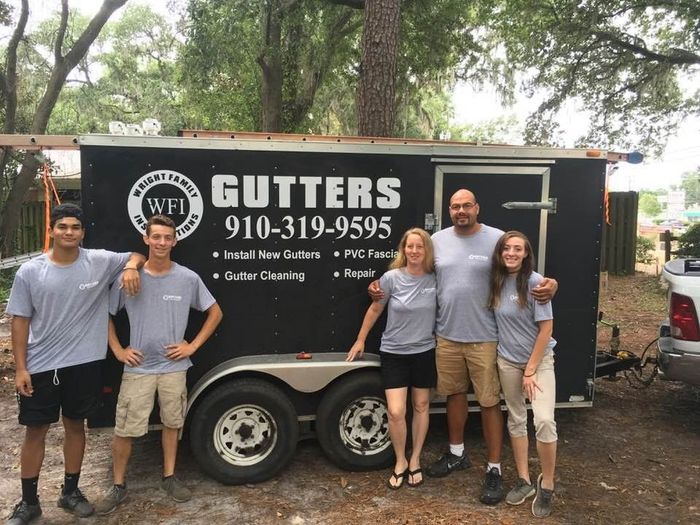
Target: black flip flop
pixel 412 473
pixel 402 476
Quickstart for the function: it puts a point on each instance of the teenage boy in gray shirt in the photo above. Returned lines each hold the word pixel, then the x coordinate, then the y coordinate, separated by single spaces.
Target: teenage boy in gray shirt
pixel 157 357
pixel 467 336
pixel 59 314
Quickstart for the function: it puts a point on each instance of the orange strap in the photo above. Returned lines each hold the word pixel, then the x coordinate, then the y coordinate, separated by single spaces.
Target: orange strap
pixel 49 188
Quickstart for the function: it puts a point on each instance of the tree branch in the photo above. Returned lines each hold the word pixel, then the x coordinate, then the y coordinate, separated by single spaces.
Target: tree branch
pixel 61 35
pixel 355 4
pixel 9 86
pixel 680 57
pixel 69 61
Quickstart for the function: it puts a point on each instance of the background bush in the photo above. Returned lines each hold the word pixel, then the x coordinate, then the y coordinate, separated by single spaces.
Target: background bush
pixel 689 242
pixel 644 250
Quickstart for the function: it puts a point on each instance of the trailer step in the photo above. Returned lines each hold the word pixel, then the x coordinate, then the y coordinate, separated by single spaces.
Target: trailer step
pixel 11 262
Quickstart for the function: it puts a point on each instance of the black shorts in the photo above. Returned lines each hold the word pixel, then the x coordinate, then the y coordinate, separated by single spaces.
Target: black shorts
pixel 73 391
pixel 409 370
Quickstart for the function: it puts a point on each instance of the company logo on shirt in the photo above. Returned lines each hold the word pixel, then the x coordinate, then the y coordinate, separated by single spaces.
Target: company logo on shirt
pixel 172 298
pixel 166 192
pixel 427 290
pixel 478 258
pixel 87 286
pixel 513 298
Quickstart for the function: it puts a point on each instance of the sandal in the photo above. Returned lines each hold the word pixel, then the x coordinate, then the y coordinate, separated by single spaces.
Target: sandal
pixel 399 479
pixel 411 474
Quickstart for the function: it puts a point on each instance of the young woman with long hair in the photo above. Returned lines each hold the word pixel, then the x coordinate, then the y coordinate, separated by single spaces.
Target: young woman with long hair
pixel 525 365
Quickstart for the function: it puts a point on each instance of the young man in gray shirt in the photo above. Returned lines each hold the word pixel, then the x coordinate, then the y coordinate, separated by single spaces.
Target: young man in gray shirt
pixel 59 314
pixel 157 357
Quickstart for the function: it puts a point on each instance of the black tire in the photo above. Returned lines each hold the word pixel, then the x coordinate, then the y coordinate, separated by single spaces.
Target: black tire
pixel 352 424
pixel 244 431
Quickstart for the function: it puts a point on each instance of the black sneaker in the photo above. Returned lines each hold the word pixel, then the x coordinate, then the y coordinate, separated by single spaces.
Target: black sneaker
pixel 447 464
pixel 24 513
pixel 492 491
pixel 76 503
pixel 542 504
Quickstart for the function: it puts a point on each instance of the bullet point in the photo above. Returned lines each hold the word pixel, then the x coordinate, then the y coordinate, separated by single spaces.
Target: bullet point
pixel 215 255
pixel 336 253
pixel 215 276
pixel 336 274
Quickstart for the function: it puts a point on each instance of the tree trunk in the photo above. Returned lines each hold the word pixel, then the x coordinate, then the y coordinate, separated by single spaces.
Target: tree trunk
pixel 271 64
pixel 63 65
pixel 8 84
pixel 314 72
pixel 376 91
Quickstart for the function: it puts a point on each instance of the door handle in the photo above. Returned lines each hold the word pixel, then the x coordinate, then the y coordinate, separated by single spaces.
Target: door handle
pixel 550 205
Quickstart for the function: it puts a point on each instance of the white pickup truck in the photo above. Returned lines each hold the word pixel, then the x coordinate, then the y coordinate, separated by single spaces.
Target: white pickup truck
pixel 679 343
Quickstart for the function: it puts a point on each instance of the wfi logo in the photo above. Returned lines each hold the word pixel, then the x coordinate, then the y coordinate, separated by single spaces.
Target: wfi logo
pixel 170 193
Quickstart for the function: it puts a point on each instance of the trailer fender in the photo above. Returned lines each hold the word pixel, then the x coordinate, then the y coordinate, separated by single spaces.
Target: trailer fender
pixel 303 375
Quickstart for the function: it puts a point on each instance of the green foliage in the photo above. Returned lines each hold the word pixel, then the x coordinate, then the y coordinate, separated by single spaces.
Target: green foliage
pixel 319 46
pixel 690 183
pixel 644 250
pixel 689 242
pixel 624 62
pixel 7 276
pixel 136 56
pixel 649 204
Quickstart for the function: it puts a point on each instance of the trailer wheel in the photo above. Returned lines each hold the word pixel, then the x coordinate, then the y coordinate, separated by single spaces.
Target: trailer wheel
pixel 352 424
pixel 244 431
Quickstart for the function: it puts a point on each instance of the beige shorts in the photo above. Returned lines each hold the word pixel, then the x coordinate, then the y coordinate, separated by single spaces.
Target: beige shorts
pixel 543 404
pixel 136 398
pixel 459 364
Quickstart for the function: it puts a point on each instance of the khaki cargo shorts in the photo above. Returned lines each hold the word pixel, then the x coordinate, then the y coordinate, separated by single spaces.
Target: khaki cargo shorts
pixel 136 398
pixel 458 364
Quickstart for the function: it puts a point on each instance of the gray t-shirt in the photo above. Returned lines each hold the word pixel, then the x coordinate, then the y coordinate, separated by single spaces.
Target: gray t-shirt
pixel 517 327
pixel 463 266
pixel 67 306
pixel 158 316
pixel 411 312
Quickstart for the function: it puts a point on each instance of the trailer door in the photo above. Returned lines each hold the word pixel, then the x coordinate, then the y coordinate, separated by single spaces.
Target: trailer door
pixel 522 188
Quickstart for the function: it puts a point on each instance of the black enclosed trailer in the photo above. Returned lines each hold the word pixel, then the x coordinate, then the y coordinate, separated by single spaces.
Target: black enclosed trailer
pixel 287 232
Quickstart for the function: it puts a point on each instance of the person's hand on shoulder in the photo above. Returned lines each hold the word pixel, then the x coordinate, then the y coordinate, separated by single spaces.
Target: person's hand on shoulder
pixel 374 291
pixel 131 281
pixel 545 290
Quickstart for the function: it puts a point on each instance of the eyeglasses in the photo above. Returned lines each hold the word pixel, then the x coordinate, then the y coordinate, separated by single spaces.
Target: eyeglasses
pixel 465 206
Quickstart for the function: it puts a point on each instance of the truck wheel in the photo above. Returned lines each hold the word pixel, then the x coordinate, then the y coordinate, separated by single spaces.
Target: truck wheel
pixel 352 424
pixel 244 431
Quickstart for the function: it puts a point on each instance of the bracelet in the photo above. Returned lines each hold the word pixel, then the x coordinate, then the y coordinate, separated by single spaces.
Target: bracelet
pixel 529 375
pixel 129 268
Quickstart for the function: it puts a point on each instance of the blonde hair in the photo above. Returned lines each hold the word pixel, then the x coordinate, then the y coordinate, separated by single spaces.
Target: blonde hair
pixel 429 260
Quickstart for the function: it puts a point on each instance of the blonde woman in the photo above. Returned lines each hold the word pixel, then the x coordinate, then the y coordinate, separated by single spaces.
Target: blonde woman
pixel 525 365
pixel 407 349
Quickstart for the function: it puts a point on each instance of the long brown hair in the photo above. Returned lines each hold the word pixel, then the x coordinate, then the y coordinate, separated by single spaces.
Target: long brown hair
pixel 499 272
pixel 429 260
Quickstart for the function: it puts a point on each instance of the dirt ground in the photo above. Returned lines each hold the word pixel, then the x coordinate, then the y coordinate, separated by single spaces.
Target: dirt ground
pixel 632 458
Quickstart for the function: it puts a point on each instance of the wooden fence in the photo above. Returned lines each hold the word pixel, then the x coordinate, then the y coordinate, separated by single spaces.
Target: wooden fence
pixel 620 236
pixel 30 232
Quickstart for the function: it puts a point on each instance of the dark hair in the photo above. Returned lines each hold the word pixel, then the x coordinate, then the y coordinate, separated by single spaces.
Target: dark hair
pixel 499 271
pixel 67 209
pixel 160 220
